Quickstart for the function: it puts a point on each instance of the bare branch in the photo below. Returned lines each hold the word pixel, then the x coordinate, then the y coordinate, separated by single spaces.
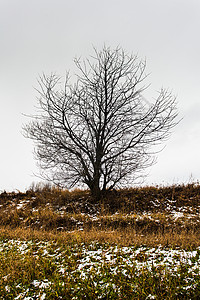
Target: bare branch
pixel 99 131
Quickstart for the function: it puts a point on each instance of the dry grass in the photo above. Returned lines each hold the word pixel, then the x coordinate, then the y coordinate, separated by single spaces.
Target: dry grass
pixel 149 215
pixel 47 235
pixel 184 240
pixel 146 210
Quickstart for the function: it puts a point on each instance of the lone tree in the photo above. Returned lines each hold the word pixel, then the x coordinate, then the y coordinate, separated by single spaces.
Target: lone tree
pixel 99 131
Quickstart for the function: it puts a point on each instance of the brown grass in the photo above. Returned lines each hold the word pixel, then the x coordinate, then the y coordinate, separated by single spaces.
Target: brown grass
pixel 185 240
pixel 128 216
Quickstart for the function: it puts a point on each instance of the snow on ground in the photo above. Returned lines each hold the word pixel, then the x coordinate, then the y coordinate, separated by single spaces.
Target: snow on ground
pixel 158 212
pixel 116 259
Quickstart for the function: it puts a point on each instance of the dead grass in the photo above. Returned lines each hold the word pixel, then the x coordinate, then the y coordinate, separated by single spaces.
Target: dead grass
pixel 184 240
pixel 47 235
pixel 150 215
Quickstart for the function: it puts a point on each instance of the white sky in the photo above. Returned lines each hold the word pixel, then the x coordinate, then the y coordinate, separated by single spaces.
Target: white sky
pixel 45 35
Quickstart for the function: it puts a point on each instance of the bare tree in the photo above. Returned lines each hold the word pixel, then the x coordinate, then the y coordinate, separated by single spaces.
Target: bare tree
pixel 99 131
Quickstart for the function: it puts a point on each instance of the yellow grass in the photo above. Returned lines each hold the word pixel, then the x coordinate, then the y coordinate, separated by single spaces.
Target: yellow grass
pixel 186 240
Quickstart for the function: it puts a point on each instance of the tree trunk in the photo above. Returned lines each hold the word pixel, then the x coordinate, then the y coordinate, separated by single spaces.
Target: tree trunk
pixel 96 191
pixel 96 194
pixel 95 188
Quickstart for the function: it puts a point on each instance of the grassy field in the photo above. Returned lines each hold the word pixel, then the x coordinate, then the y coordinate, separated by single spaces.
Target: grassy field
pixel 141 243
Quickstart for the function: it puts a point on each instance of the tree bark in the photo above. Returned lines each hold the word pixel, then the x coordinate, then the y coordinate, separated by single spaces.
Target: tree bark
pixel 96 192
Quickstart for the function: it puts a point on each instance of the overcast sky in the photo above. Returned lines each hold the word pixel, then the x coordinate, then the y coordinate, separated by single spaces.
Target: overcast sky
pixel 39 36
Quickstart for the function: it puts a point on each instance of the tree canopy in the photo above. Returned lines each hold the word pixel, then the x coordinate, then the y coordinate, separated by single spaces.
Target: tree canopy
pixel 99 131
